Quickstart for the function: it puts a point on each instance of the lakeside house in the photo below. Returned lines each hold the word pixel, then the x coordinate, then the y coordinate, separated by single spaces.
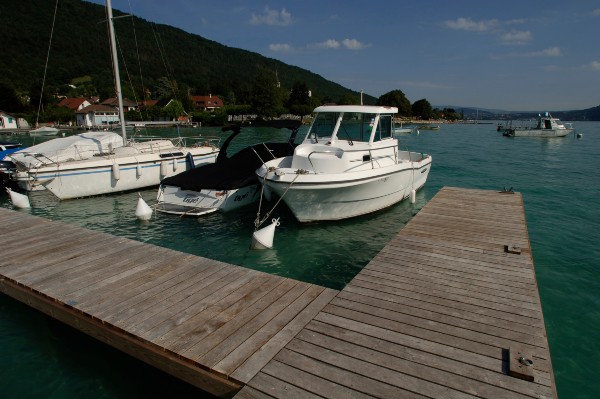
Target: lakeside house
pixel 128 105
pixel 75 103
pixel 207 103
pixel 9 122
pixel 97 115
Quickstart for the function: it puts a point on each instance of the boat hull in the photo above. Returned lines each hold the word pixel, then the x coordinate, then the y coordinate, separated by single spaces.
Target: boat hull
pixel 537 132
pixel 176 201
pixel 109 174
pixel 312 198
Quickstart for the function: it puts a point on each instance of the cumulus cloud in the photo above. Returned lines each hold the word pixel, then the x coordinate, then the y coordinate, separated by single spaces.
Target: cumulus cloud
pixel 516 37
pixel 353 44
pixel 281 48
pixel 593 66
pixel 549 52
pixel 327 44
pixel 596 12
pixel 272 17
pixel 473 26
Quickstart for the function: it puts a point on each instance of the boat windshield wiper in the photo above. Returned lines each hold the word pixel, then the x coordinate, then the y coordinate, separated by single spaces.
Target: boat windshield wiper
pixel 347 134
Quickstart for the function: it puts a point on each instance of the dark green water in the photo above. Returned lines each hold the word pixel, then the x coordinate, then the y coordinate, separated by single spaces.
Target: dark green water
pixel 557 177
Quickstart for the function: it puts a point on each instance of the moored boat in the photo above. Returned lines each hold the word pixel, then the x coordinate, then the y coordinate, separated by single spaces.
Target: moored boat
pixel 546 126
pixel 95 163
pixel 44 131
pixel 229 183
pixel 349 164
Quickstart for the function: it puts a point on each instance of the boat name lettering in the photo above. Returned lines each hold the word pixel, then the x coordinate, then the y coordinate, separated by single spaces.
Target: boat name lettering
pixel 190 199
pixel 240 197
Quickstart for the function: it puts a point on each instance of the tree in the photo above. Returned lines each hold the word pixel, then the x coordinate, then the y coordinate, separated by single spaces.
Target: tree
pixel 9 100
pixel 299 102
pixel 164 88
pixel 265 97
pixel 396 98
pixel 173 110
pixel 422 109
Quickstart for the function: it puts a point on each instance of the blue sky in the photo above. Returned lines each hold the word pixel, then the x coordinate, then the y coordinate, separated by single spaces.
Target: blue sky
pixel 514 55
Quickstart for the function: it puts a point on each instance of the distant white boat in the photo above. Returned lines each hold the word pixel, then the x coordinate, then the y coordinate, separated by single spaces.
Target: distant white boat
pixel 402 130
pixel 44 131
pixel 547 126
pixel 349 164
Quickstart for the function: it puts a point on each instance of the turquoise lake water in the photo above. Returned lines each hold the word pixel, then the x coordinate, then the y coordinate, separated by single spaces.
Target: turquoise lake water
pixel 559 180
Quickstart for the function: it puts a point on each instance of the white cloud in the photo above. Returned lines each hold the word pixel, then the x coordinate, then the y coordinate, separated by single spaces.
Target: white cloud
pixel 353 44
pixel 473 26
pixel 516 37
pixel 549 52
pixel 272 17
pixel 327 44
pixel 593 66
pixel 281 48
pixel 596 12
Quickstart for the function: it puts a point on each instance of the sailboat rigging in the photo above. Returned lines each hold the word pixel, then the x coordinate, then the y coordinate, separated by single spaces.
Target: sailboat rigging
pixel 101 162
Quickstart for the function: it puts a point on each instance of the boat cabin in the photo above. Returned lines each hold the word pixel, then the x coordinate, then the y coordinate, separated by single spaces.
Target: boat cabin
pixel 352 123
pixel 347 137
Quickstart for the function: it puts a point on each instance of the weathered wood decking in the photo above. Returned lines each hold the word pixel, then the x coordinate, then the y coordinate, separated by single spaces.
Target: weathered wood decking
pixel 432 315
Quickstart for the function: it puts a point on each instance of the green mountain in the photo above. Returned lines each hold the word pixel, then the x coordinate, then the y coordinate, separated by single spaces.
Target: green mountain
pixel 80 51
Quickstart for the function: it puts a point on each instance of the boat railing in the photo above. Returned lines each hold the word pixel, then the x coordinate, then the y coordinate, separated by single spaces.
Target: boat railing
pixel 370 154
pixel 197 141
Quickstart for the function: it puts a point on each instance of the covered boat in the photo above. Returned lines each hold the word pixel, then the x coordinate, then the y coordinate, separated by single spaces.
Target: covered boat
pixel 349 164
pixel 227 184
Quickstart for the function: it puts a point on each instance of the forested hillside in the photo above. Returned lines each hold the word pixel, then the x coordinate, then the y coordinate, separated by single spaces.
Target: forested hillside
pixel 79 55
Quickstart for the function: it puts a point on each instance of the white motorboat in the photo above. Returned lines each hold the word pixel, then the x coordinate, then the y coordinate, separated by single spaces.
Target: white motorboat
pixel 44 131
pixel 546 126
pixel 95 163
pixel 349 164
pixel 229 183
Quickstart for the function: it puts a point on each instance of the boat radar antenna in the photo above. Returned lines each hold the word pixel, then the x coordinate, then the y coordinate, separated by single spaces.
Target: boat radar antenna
pixel 113 49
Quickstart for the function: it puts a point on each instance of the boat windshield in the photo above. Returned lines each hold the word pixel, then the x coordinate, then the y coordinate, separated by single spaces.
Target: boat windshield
pixel 354 126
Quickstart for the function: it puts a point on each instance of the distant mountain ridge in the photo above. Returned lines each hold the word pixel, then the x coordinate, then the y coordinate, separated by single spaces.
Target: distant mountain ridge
pixel 590 114
pixel 80 48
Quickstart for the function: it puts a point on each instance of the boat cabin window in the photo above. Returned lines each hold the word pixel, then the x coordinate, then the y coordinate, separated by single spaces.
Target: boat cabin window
pixel 323 125
pixel 384 129
pixel 356 126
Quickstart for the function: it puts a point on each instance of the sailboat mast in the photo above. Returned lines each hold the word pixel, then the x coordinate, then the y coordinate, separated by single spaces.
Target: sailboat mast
pixel 113 48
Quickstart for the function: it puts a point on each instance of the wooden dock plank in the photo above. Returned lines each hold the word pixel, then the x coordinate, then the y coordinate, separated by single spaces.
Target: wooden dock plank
pixel 133 295
pixel 267 351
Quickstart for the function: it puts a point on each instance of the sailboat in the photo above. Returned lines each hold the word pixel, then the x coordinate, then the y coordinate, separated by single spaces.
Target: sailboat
pixel 103 162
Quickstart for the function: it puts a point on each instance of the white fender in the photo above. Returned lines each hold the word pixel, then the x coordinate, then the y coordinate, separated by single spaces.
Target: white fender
pixel 175 164
pixel 143 211
pixel 413 196
pixel 116 171
pixel 138 171
pixel 263 238
pixel 18 200
pixel 163 169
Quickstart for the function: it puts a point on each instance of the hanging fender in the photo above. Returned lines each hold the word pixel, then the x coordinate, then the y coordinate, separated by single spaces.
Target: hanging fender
pixel 116 171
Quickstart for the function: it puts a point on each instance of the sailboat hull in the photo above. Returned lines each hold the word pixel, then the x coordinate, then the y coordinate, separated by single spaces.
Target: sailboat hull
pixel 110 175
